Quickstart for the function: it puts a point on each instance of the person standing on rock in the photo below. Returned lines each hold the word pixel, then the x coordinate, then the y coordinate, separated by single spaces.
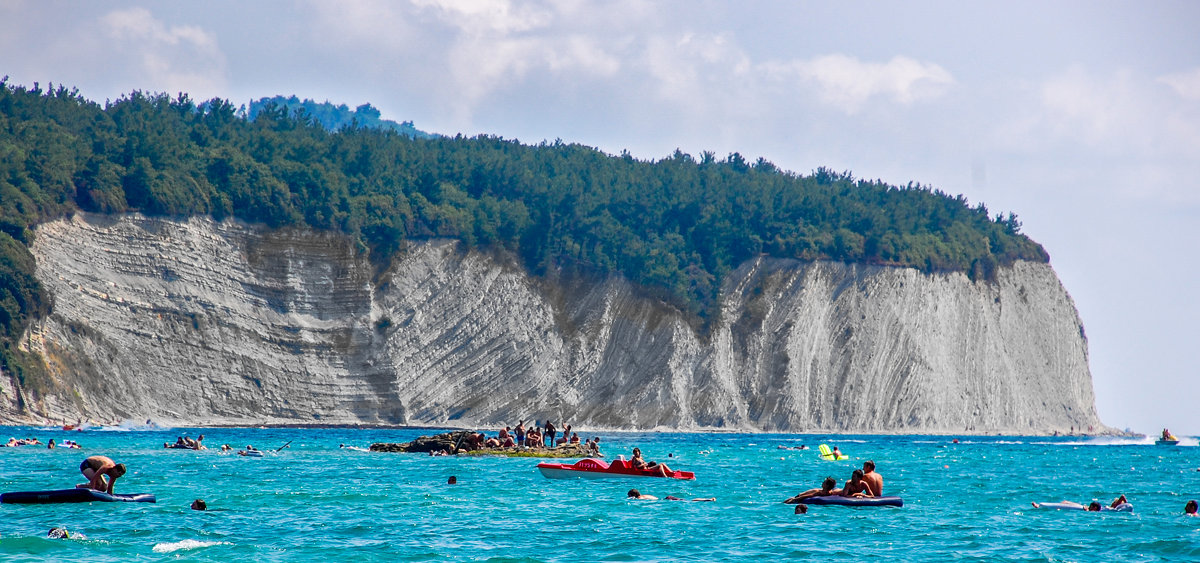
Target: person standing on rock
pixel 520 433
pixel 550 432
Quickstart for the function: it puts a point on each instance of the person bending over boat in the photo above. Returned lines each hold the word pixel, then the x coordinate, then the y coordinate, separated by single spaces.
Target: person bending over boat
pixel 96 468
pixel 856 487
pixel 874 479
pixel 828 489
pixel 637 462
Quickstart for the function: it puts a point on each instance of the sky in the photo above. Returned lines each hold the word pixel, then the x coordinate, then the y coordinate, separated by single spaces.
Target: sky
pixel 1083 118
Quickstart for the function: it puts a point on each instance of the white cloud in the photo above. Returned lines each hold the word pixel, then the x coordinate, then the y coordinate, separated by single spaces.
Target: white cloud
pixel 848 83
pixel 1122 113
pixel 1186 83
pixel 167 58
pixel 488 16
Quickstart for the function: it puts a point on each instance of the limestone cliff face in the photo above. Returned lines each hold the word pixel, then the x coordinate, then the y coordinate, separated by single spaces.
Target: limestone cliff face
pixel 198 322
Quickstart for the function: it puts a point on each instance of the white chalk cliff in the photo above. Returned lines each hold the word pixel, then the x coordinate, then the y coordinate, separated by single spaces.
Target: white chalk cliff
pixel 199 322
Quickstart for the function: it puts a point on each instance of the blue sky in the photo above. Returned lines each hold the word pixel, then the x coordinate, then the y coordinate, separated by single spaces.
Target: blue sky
pixel 1081 117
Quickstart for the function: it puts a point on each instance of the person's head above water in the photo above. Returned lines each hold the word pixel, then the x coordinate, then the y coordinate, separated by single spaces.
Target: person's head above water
pixel 199 504
pixel 1190 507
pixel 1094 507
pixel 801 509
pixel 634 493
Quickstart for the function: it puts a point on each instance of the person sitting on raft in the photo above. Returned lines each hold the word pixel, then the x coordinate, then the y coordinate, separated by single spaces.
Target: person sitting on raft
pixel 637 462
pixel 874 479
pixel 828 489
pixel 96 468
pixel 856 487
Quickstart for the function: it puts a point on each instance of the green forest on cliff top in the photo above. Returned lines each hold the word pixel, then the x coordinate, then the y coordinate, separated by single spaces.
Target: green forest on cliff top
pixel 675 226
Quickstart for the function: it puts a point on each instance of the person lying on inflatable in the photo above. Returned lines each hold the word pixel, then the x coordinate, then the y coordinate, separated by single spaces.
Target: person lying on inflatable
pixel 1119 504
pixel 828 489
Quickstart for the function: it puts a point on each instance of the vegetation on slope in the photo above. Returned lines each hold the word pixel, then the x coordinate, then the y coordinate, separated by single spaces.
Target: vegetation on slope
pixel 675 226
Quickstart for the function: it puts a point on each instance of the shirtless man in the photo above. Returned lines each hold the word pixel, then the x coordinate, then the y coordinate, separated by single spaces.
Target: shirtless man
pixel 95 468
pixel 873 479
pixel 856 486
pixel 827 489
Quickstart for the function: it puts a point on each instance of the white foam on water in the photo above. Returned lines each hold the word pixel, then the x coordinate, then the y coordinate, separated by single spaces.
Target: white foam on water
pixel 185 544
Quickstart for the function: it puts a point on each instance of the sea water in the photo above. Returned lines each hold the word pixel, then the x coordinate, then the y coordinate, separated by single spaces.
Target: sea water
pixel 314 500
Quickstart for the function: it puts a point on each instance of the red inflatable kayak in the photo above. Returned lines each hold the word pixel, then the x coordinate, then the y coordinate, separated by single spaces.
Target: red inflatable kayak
pixel 597 469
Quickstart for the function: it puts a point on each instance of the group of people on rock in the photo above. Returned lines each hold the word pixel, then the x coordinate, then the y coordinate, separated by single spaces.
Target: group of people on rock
pixel 536 436
pixel 539 435
pixel 863 483
pixel 15 442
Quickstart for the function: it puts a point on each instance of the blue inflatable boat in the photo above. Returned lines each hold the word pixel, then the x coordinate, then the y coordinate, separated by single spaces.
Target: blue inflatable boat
pixel 854 501
pixel 70 495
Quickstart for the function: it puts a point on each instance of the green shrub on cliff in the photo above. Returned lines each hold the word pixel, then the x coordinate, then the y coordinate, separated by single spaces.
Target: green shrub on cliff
pixel 675 226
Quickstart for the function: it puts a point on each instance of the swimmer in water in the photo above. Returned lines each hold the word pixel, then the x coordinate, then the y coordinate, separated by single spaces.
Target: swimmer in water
pixel 1189 509
pixel 64 534
pixel 637 495
pixel 199 504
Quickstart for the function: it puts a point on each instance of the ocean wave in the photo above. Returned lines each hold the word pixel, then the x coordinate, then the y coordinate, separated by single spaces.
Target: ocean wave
pixel 185 544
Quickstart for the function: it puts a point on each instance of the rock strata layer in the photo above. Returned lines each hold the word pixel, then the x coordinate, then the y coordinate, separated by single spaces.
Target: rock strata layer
pixel 201 322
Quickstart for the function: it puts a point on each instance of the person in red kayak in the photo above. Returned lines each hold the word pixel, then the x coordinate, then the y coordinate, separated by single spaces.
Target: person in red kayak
pixel 637 462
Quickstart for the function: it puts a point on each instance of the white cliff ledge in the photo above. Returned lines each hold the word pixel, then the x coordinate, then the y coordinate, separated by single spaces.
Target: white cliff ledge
pixel 207 323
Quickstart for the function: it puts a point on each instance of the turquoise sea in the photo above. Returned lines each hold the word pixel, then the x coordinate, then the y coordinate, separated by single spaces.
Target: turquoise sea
pixel 316 501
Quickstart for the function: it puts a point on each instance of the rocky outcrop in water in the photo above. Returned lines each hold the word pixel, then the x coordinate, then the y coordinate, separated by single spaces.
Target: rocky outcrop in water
pixel 200 322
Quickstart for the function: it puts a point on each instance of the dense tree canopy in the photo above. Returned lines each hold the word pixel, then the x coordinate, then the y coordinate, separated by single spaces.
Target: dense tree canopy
pixel 675 226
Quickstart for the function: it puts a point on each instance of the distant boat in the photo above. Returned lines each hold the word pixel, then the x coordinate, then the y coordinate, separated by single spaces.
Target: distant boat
pixel 1169 441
